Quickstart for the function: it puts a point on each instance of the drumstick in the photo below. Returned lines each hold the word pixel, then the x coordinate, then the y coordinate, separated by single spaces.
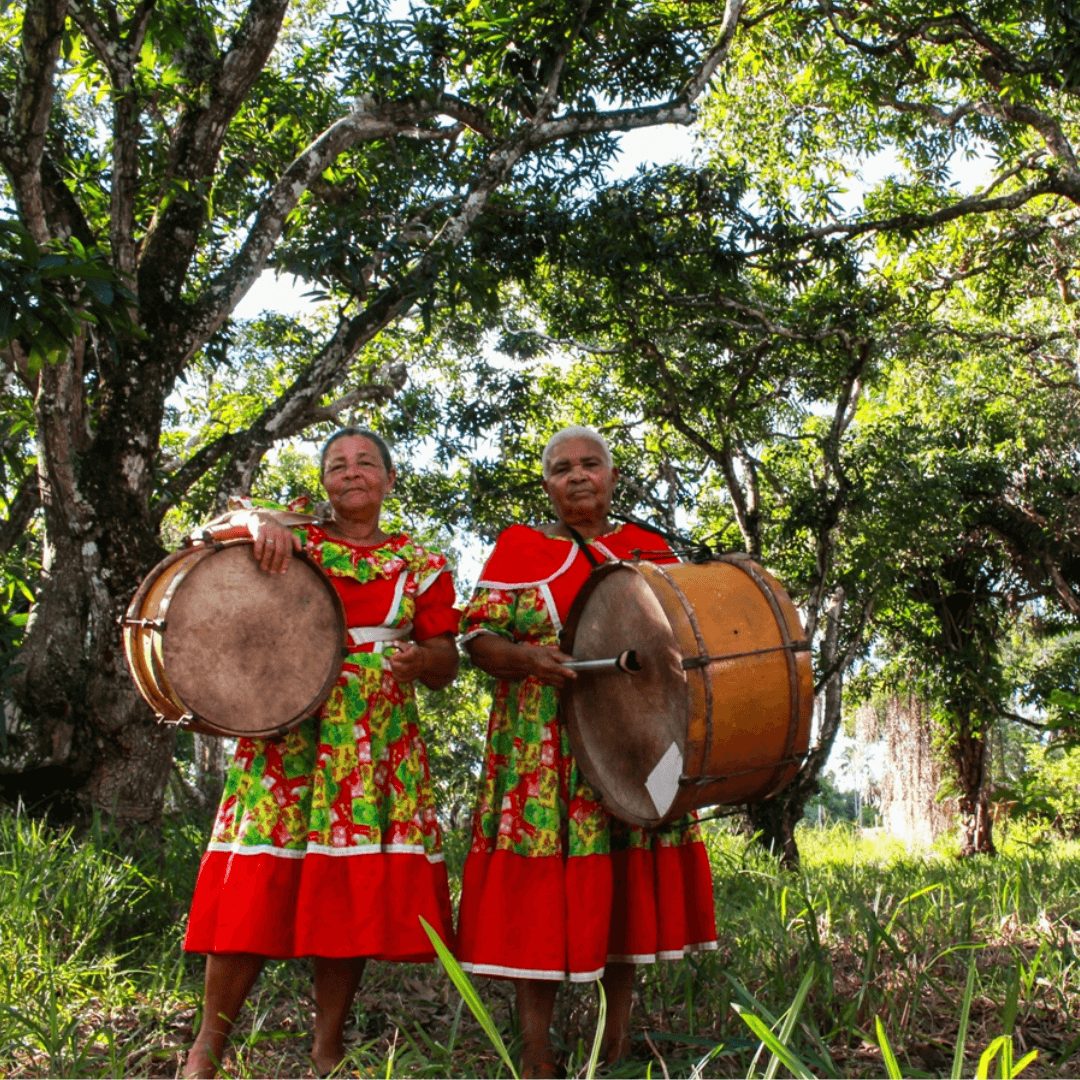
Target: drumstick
pixel 625 661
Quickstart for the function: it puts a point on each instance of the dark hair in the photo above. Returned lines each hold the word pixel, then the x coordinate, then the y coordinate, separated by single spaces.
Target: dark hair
pixel 364 433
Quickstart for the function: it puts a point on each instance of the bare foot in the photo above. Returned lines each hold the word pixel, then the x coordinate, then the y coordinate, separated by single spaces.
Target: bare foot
pixel 614 1050
pixel 539 1068
pixel 325 1058
pixel 200 1064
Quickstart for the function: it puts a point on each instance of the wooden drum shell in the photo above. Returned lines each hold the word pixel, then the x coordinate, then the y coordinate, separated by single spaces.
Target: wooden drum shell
pixel 720 712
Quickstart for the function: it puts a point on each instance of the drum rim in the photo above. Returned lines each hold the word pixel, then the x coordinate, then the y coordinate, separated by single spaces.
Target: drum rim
pixel 782 608
pixel 140 640
pixel 192 556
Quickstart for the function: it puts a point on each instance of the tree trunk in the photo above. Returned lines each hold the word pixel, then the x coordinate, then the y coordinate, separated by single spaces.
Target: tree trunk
pixel 209 757
pixel 968 754
pixel 775 820
pixel 79 736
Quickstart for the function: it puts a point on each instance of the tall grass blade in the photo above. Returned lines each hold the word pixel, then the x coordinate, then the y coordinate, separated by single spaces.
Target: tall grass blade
pixel 937 887
pixel 1003 1046
pixel 892 1066
pixel 469 995
pixel 789 1060
pixel 1012 1002
pixel 749 999
pixel 598 1038
pixel 790 1019
pixel 1024 1062
pixel 965 1016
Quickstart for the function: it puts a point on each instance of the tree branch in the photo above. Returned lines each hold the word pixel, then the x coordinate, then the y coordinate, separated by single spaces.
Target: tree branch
pixel 21 510
pixel 117 53
pixel 296 407
pixel 172 236
pixel 367 121
pixel 23 145
pixel 695 86
pixel 973 204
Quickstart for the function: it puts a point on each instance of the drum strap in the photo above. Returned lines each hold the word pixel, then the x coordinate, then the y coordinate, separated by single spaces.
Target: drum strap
pixel 583 544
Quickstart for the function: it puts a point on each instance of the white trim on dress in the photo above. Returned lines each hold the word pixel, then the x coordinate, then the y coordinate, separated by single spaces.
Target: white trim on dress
pixel 323 849
pixel 425 585
pixel 369 635
pixel 665 954
pixel 500 970
pixel 531 973
pixel 516 585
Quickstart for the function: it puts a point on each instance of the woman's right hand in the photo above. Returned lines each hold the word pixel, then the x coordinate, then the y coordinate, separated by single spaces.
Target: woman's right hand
pixel 274 544
pixel 547 665
pixel 516 660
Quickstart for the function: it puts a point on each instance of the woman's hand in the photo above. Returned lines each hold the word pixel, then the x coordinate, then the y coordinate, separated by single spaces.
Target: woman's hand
pixel 546 663
pixel 433 661
pixel 274 544
pixel 516 660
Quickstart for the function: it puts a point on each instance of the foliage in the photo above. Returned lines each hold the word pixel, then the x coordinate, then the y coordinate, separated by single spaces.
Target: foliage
pixel 1047 793
pixel 891 949
pixel 1047 674
pixel 50 296
pixel 456 720
pixel 830 806
pixel 89 931
pixel 156 160
pixel 870 386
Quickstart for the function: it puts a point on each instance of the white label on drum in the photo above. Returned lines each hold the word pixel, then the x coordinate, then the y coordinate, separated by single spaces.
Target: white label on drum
pixel 663 782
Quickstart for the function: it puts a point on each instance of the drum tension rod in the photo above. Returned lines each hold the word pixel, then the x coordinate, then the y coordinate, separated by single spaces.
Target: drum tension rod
pixel 697 781
pixel 146 624
pixel 180 721
pixel 704 661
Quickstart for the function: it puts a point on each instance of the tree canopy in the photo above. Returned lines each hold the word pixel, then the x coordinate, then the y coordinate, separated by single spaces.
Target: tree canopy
pixel 870 385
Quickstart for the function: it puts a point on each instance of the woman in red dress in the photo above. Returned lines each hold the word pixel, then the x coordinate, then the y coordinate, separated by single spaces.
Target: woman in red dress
pixel 326 842
pixel 555 889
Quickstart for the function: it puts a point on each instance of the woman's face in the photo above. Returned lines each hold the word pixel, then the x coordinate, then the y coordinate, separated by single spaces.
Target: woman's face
pixel 579 483
pixel 355 477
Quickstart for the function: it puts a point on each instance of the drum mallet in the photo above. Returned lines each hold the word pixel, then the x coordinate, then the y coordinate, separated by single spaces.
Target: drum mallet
pixel 625 661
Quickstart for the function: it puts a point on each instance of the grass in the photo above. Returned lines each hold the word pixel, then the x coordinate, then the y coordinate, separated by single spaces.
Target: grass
pixel 869 962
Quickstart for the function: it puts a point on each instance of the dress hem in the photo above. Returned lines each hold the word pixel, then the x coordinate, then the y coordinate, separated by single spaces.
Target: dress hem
pixel 499 971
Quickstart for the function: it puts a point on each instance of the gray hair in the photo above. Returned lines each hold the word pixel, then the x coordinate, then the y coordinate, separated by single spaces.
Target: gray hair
pixel 574 431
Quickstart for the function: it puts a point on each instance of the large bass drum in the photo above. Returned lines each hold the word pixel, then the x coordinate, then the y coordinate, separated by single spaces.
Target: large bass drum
pixel 719 712
pixel 216 645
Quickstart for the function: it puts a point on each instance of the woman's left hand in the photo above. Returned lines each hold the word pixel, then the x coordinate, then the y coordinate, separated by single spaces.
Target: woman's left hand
pixel 434 661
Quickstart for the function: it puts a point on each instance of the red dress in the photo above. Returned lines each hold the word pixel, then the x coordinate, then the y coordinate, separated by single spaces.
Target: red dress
pixel 555 888
pixel 326 841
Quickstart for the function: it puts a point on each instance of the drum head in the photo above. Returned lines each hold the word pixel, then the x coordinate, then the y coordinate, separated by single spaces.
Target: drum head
pixel 247 652
pixel 627 729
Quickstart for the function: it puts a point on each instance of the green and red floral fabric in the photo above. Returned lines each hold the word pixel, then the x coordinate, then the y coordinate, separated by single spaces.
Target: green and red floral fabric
pixel 326 841
pixel 553 886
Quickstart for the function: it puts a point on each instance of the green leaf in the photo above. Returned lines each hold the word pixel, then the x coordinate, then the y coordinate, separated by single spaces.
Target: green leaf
pixel 965 1015
pixel 790 1061
pixel 892 1066
pixel 469 995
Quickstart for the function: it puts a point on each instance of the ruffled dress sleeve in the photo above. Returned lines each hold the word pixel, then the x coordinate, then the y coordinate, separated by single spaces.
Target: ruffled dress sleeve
pixel 435 610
